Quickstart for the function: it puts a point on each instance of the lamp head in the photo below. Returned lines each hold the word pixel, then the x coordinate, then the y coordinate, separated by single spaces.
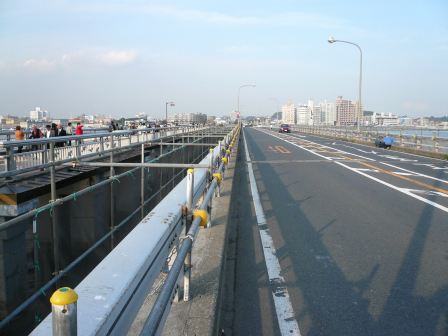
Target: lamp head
pixel 253 85
pixel 331 40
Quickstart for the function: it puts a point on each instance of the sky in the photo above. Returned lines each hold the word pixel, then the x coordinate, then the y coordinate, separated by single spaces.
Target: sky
pixel 121 58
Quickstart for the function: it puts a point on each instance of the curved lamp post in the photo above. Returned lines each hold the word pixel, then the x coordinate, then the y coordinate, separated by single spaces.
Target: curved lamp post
pixel 166 110
pixel 253 85
pixel 332 40
pixel 277 107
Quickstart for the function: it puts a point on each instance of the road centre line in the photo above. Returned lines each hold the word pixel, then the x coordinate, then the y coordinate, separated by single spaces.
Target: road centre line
pixel 402 190
pixel 382 170
pixel 283 307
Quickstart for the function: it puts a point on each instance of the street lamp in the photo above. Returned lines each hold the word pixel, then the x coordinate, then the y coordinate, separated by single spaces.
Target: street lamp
pixel 166 110
pixel 277 107
pixel 253 85
pixel 332 40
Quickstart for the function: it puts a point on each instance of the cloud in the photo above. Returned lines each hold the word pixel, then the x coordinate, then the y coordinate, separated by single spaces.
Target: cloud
pixel 416 106
pixel 111 58
pixel 117 57
pixel 42 65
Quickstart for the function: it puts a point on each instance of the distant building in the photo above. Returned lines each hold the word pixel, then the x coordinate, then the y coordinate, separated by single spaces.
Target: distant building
pixel 385 120
pixel 233 115
pixel 328 113
pixel 39 114
pixel 405 121
pixel 289 113
pixel 302 114
pixel 310 112
pixel 188 118
pixel 347 111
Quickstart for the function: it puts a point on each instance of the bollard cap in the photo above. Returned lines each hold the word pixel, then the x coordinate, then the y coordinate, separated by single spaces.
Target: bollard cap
pixel 211 149
pixel 218 176
pixel 64 296
pixel 190 170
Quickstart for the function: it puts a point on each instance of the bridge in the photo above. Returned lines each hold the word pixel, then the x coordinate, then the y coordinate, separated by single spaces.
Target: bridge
pixel 314 232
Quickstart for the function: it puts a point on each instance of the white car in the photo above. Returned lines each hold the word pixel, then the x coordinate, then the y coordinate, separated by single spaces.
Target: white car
pixel 259 125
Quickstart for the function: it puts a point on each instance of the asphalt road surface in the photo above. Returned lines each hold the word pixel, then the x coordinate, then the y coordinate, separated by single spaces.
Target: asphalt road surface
pixel 336 238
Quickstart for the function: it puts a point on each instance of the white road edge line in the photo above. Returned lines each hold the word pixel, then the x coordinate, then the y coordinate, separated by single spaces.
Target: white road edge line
pixel 283 307
pixel 417 174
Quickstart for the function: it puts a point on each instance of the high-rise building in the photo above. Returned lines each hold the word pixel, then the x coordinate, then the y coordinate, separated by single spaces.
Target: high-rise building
pixel 302 114
pixel 233 115
pixel 38 114
pixel 310 111
pixel 328 113
pixel 347 111
pixel 289 113
pixel 317 115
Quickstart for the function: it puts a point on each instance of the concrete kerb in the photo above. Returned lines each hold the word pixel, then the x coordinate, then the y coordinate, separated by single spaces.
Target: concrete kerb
pixel 200 315
pixel 415 151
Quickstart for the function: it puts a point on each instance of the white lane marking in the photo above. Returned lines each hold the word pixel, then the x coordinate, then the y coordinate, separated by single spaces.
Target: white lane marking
pixel 414 173
pixel 403 190
pixel 283 307
pixel 359 149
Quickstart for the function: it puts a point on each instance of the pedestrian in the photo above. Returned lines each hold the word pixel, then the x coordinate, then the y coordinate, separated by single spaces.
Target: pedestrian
pixel 388 141
pixel 133 126
pixel 19 136
pixel 61 132
pixel 35 134
pixel 69 132
pixel 271 126
pixel 79 130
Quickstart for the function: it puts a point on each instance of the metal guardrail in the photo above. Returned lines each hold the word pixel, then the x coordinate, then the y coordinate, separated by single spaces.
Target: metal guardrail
pixel 429 143
pixel 112 294
pixel 10 134
pixel 85 146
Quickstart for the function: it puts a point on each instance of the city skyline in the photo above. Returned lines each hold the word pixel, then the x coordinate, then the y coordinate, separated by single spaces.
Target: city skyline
pixel 123 58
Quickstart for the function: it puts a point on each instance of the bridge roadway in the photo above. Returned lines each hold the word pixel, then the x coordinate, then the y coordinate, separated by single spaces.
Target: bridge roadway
pixel 360 235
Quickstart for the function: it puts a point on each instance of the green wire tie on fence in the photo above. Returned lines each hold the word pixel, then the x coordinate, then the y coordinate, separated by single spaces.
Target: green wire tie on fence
pixel 115 179
pixel 42 291
pixel 74 195
pixel 129 172
pixel 51 210
pixel 37 266
pixel 91 188
pixel 37 242
pixel 149 187
pixel 37 318
pixel 37 212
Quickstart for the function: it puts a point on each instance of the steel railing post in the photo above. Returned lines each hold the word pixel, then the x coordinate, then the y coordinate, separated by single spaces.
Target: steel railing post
pixel 64 312
pixel 190 205
pixel 112 194
pixel 142 186
pixel 54 211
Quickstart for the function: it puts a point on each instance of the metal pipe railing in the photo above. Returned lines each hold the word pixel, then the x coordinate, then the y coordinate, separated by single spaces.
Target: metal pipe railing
pixel 155 318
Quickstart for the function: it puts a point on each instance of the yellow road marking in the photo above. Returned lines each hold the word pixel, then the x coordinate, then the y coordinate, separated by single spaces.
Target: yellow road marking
pixel 279 149
pixel 384 171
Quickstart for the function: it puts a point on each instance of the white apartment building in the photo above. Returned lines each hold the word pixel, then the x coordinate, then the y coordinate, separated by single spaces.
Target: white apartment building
pixel 310 111
pixel 328 113
pixel 317 115
pixel 385 120
pixel 39 114
pixel 233 115
pixel 288 113
pixel 302 114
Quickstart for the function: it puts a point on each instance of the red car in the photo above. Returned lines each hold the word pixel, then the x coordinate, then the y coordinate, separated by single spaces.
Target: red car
pixel 284 128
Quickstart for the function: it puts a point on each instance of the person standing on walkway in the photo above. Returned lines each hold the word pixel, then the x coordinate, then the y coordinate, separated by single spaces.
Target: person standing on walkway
pixel 61 132
pixel 35 134
pixel 79 130
pixel 69 132
pixel 19 136
pixel 388 141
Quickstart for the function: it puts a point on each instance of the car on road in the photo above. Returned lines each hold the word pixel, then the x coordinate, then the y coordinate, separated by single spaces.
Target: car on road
pixel 284 128
pixel 259 125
